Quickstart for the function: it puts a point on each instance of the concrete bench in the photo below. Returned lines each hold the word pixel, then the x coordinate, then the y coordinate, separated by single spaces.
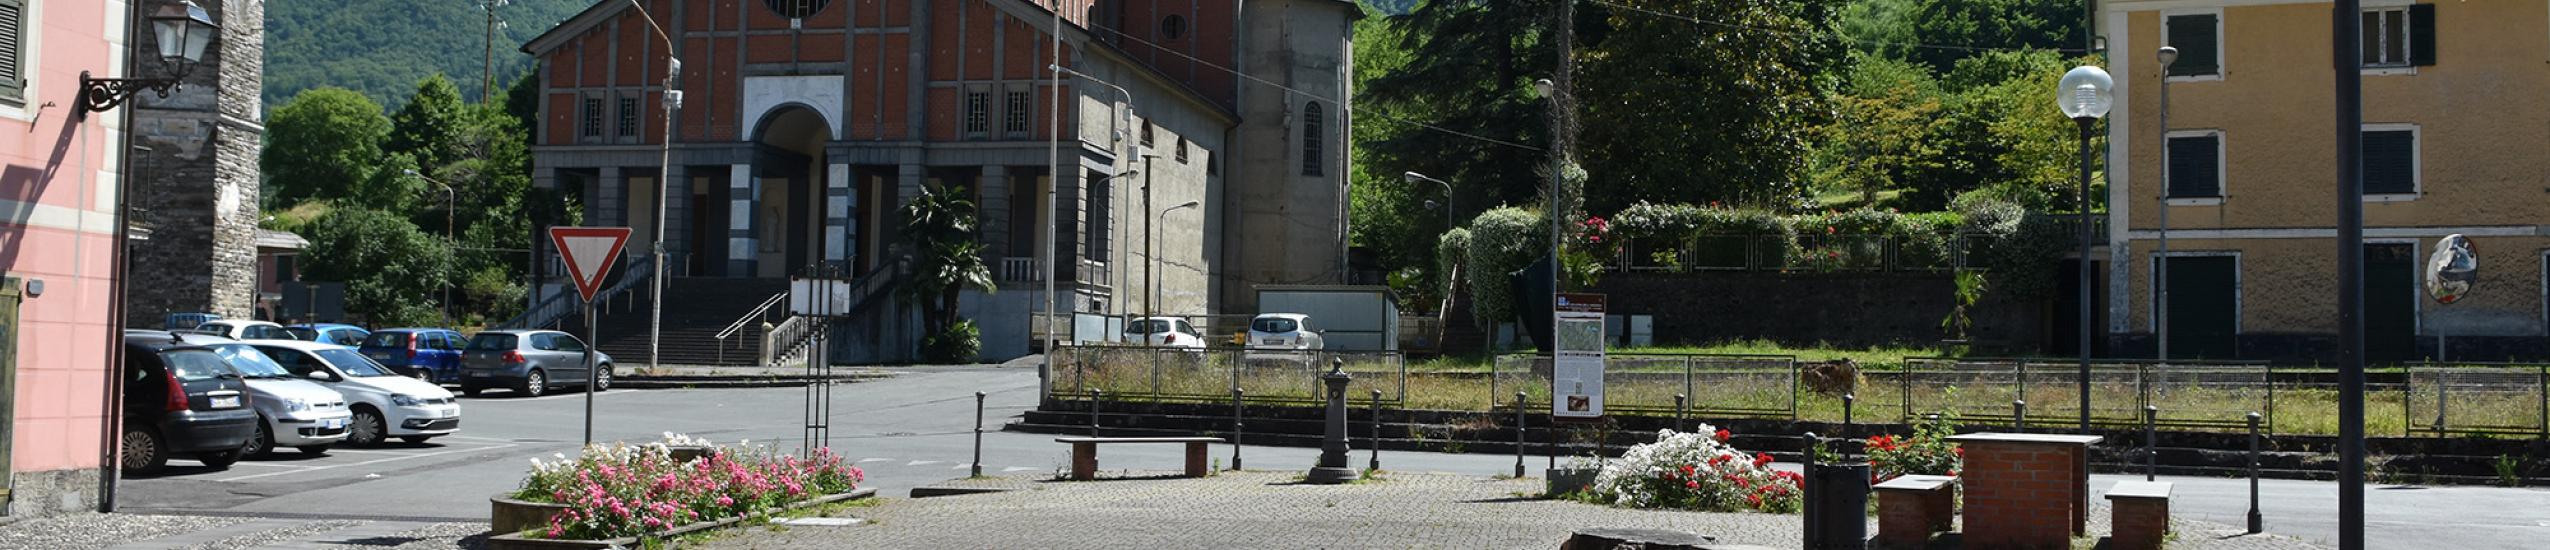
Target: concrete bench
pixel 2142 515
pixel 1910 508
pixel 1084 452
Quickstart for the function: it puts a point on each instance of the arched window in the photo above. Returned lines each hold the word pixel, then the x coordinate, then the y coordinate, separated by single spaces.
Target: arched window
pixel 796 9
pixel 1314 135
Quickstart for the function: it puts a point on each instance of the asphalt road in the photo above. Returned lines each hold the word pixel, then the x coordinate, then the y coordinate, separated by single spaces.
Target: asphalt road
pixel 917 429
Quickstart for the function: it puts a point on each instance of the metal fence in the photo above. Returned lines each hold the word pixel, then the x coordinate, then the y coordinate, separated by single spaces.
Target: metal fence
pixel 1809 252
pixel 2494 399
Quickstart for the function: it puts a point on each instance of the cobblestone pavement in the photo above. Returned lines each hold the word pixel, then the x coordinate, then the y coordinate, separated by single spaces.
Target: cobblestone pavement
pixel 1267 510
pixel 159 532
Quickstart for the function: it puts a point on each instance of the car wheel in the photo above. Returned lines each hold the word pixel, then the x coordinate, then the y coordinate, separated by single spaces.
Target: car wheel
pixel 533 384
pixel 367 427
pixel 602 380
pixel 144 452
pixel 259 443
pixel 313 449
pixel 415 439
pixel 219 459
pixel 470 391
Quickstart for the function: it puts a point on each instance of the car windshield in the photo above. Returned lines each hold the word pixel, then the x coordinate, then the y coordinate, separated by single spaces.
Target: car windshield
pixel 1274 324
pixel 194 365
pixel 354 364
pixel 386 340
pixel 492 342
pixel 249 362
pixel 1148 326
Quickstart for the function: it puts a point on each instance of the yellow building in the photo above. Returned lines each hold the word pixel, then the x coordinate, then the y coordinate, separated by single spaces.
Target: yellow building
pixel 2456 140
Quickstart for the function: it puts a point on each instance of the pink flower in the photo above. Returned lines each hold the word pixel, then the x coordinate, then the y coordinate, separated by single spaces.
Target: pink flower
pixel 725 501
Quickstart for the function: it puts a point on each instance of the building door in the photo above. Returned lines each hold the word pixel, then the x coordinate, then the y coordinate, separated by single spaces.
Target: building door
pixel 2063 340
pixel 2204 307
pixel 2390 302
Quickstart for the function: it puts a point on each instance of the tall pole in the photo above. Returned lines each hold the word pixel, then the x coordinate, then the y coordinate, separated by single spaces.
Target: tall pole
pixel 589 332
pixel 2087 123
pixel 2347 28
pixel 1150 250
pixel 2160 263
pixel 451 249
pixel 1053 192
pixel 487 67
pixel 663 184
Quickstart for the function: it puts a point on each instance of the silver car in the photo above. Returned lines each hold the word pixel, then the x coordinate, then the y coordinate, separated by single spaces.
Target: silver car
pixel 291 412
pixel 530 362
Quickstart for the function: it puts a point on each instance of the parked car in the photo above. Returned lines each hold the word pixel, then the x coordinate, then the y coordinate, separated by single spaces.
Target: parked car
pixel 530 362
pixel 183 321
pixel 1169 332
pixel 429 354
pixel 181 400
pixel 238 329
pixel 384 404
pixel 1289 334
pixel 329 333
pixel 291 412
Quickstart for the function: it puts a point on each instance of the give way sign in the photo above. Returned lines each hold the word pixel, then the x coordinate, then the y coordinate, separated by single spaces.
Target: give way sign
pixel 589 252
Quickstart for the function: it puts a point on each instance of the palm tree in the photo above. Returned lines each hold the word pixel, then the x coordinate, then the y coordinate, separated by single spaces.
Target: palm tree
pixel 939 224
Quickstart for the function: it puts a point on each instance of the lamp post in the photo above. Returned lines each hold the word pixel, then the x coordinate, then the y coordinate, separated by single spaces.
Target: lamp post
pixel 663 184
pixel 1053 193
pixel 2160 263
pixel 1448 215
pixel 1557 186
pixel 2085 94
pixel 1153 253
pixel 184 30
pixel 2347 41
pixel 451 245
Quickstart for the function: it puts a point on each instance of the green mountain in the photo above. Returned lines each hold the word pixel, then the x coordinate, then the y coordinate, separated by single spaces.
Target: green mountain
pixel 382 47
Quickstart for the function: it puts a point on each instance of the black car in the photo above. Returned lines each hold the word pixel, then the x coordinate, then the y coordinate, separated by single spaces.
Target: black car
pixel 181 400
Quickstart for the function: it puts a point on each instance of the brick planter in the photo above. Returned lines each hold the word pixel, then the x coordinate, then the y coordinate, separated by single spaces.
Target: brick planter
pixel 506 515
pixel 515 540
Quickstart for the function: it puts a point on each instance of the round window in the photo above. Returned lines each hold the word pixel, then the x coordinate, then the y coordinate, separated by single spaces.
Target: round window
pixel 1173 27
pixel 796 9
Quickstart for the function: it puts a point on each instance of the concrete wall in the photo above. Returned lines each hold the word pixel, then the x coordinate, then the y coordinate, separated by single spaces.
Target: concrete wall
pixel 1285 227
pixel 59 192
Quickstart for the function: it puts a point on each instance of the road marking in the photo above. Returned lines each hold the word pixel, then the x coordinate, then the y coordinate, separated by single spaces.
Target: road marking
pixel 367 462
pixel 868 460
pixel 922 462
pixel 961 466
pixel 270 465
pixel 1016 469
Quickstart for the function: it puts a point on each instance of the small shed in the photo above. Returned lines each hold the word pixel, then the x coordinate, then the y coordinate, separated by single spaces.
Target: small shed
pixel 1351 318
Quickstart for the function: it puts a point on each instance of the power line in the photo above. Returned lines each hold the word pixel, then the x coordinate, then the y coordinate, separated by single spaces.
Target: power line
pixel 1350 108
pixel 1836 35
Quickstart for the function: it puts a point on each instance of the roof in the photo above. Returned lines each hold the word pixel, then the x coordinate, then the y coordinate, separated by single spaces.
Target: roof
pixel 286 240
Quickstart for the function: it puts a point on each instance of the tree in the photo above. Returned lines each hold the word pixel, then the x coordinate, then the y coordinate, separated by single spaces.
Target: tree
pixel 947 259
pixel 429 125
pixel 1479 58
pixel 320 144
pixel 392 272
pixel 1958 29
pixel 1683 111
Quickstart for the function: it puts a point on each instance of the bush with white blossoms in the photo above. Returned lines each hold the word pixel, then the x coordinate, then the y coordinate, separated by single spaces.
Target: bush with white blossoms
pixel 621 490
pixel 1696 471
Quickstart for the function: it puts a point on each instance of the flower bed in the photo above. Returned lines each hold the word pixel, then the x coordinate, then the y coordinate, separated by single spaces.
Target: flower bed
pixel 1696 471
pixel 623 491
pixel 1926 452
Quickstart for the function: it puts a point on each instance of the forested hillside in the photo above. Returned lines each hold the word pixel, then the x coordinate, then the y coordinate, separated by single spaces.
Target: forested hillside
pixel 382 47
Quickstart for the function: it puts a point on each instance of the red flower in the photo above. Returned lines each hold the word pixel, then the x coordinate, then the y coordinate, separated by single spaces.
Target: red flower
pixel 1693 484
pixel 1829 230
pixel 1761 459
pixel 1723 434
pixel 1688 469
pixel 1757 500
pixel 1959 451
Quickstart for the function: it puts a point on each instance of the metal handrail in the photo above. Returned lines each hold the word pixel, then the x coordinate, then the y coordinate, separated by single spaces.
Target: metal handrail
pixel 757 312
pixel 560 305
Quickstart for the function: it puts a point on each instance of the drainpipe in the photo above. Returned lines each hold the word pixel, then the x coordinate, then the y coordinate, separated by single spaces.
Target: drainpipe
pixel 110 452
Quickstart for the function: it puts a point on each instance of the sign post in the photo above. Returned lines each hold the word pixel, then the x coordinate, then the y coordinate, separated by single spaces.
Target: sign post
pixel 1576 358
pixel 589 253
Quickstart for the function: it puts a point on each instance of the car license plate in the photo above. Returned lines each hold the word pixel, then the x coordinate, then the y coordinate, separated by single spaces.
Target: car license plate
pixel 1272 342
pixel 478 375
pixel 225 402
pixel 333 423
pixel 381 355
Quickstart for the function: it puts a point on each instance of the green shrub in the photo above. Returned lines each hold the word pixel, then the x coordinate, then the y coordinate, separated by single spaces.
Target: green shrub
pixel 2022 249
pixel 1449 253
pixel 961 344
pixel 1501 241
pixel 1647 220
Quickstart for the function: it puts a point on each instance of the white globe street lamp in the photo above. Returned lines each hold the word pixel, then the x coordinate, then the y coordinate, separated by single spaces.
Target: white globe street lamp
pixel 2085 95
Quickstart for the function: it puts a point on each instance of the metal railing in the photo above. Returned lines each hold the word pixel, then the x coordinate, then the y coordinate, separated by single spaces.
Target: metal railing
pixel 1020 270
pixel 1188 375
pixel 759 313
pixel 559 306
pixel 1844 252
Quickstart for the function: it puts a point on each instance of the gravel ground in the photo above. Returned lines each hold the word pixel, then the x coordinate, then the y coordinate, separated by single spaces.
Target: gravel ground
pixel 446 536
pixel 271 536
pixel 92 531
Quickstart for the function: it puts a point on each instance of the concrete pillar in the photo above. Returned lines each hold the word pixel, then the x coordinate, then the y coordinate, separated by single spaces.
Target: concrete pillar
pixel 992 214
pixel 610 201
pixel 743 250
pixel 677 220
pixel 839 235
pixel 907 186
pixel 1069 227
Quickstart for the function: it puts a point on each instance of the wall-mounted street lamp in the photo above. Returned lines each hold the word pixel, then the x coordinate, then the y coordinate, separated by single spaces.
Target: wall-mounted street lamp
pixel 184 30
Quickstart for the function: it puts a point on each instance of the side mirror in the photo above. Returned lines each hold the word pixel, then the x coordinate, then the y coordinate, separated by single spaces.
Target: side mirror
pixel 320 375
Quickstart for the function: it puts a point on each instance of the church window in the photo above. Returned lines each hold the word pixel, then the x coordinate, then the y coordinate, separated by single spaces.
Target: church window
pixel 978 116
pixel 628 117
pixel 1314 136
pixel 1014 119
pixel 796 9
pixel 592 118
pixel 1173 27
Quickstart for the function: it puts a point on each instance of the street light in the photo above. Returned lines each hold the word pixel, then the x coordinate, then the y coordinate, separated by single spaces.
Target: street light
pixel 663 186
pixel 2085 94
pixel 1153 253
pixel 1413 177
pixel 451 245
pixel 1053 193
pixel 2160 263
pixel 184 30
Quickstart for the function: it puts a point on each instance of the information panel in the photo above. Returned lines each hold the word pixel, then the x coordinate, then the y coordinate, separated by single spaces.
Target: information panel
pixel 1576 373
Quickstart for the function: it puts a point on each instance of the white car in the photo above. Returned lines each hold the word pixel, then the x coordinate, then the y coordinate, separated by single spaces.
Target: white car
pixel 385 405
pixel 246 330
pixel 1165 332
pixel 1289 332
pixel 292 412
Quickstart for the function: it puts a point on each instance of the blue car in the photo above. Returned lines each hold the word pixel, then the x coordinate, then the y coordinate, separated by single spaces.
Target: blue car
pixel 429 354
pixel 329 333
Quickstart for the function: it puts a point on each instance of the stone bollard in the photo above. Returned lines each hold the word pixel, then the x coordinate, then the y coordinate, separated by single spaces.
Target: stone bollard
pixel 1332 468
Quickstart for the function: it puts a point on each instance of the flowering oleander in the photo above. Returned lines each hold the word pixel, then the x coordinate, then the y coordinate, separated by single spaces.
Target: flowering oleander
pixel 621 490
pixel 1696 471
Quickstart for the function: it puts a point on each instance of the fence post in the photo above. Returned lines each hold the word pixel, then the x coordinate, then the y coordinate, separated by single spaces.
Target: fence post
pixel 2541 392
pixel 1794 387
pixel 2151 442
pixel 1239 427
pixel 2257 523
pixel 1376 430
pixel 978 434
pixel 1519 419
pixel 1679 408
pixel 1492 383
pixel 1848 401
pixel 1095 395
pixel 2019 415
pixel 2441 387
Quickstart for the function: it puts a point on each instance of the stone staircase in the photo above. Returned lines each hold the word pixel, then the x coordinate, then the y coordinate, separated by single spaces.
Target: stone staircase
pixel 695 310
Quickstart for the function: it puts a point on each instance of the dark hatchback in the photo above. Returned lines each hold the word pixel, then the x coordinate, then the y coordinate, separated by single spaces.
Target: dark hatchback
pixel 181 400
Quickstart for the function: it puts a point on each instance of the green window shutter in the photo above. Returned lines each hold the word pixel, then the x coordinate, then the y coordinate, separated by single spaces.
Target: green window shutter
pixel 2421 35
pixel 2194 167
pixel 13 30
pixel 2390 162
pixel 2194 37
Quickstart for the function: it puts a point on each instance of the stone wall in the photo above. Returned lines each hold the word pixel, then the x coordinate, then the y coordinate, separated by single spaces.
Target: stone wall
pixel 1843 309
pixel 52 492
pixel 196 185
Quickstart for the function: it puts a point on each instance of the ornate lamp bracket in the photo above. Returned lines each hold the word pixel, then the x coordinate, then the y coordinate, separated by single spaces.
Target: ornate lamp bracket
pixel 101 94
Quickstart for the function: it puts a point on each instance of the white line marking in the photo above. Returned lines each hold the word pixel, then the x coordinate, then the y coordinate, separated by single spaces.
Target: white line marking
pixel 868 460
pixel 1016 469
pixel 922 462
pixel 367 462
pixel 272 465
pixel 961 466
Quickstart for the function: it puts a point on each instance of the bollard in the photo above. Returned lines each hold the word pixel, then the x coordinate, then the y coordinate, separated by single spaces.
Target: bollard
pixel 2019 415
pixel 1094 395
pixel 1681 408
pixel 1238 427
pixel 978 434
pixel 1518 434
pixel 1334 448
pixel 1376 431
pixel 2151 442
pixel 2257 523
pixel 1848 400
pixel 1811 513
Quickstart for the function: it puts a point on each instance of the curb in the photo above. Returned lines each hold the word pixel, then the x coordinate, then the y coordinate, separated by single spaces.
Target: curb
pixel 927 492
pixel 680 382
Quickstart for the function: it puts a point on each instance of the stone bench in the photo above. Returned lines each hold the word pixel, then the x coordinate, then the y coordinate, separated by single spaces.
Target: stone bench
pixel 1084 452
pixel 1910 508
pixel 2141 519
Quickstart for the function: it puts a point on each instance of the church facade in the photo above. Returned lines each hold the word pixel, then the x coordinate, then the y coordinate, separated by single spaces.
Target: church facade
pixel 804 125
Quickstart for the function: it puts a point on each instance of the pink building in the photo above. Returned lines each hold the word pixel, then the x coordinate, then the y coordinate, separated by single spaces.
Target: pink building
pixel 59 196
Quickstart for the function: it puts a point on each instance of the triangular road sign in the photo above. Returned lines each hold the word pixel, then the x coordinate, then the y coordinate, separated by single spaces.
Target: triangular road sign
pixel 589 252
